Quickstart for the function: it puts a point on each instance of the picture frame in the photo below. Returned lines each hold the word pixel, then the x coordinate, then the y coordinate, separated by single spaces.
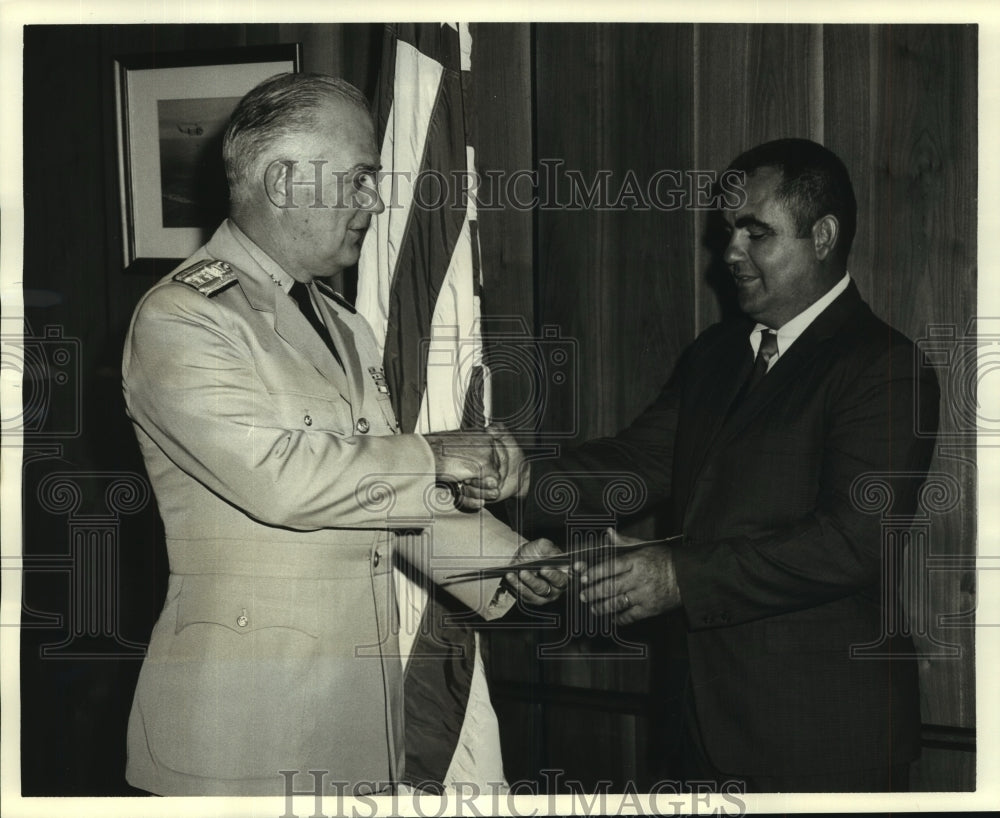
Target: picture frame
pixel 172 109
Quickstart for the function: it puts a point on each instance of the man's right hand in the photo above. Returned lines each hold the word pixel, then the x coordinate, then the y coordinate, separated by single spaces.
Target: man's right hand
pixel 513 474
pixel 467 455
pixel 486 465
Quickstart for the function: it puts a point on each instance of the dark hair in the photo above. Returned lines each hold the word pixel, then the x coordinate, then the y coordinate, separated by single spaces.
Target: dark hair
pixel 278 106
pixel 815 183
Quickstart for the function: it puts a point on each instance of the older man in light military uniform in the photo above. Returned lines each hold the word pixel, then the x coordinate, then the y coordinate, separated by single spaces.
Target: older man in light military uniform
pixel 280 475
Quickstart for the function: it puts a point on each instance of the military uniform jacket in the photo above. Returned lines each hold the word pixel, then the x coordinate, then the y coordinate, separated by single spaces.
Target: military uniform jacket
pixel 280 478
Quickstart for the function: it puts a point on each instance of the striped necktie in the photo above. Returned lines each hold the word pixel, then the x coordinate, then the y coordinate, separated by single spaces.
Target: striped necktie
pixel 768 349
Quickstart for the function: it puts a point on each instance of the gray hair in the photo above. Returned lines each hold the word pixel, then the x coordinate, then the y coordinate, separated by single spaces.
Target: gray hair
pixel 279 106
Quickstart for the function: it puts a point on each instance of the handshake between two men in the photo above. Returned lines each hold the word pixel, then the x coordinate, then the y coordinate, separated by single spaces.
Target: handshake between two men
pixel 631 583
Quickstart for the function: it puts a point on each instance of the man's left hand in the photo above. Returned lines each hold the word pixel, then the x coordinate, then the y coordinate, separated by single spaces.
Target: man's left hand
pixel 632 586
pixel 542 586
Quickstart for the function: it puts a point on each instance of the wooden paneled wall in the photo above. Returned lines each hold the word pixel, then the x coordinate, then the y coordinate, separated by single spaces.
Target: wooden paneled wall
pixel 609 100
pixel 503 143
pixel 908 125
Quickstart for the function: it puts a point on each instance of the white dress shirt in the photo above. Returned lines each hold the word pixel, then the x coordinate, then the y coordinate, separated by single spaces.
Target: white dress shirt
pixel 791 330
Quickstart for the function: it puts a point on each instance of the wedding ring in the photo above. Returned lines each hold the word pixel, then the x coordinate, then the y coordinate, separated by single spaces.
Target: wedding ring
pixel 628 602
pixel 548 591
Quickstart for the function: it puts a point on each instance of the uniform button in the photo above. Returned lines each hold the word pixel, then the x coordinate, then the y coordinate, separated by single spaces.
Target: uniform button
pixel 308 420
pixel 363 425
pixel 376 559
pixel 242 620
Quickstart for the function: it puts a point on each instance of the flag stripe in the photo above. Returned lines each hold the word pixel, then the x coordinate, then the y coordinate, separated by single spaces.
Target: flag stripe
pixel 453 349
pixel 386 91
pixel 471 131
pixel 425 254
pixel 439 41
pixel 438 678
pixel 405 122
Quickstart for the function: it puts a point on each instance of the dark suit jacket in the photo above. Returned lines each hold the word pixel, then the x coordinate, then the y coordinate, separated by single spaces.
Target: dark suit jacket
pixel 781 569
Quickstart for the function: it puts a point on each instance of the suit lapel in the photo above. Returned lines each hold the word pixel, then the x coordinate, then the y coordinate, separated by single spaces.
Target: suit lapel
pixel 786 371
pixel 730 370
pixel 726 366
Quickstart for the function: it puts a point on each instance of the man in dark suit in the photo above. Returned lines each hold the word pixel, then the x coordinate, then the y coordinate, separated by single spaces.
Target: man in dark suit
pixel 761 440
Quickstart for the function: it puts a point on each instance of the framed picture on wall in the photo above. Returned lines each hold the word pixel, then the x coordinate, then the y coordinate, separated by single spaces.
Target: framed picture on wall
pixel 172 111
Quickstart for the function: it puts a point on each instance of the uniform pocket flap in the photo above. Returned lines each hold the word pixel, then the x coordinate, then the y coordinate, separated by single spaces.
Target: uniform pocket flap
pixel 327 413
pixel 248 604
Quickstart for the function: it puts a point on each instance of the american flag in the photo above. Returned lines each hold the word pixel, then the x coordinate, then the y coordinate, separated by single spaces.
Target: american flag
pixel 420 276
pixel 418 286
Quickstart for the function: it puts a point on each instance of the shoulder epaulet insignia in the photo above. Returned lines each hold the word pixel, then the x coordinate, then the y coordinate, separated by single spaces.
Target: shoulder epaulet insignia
pixel 209 277
pixel 327 290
